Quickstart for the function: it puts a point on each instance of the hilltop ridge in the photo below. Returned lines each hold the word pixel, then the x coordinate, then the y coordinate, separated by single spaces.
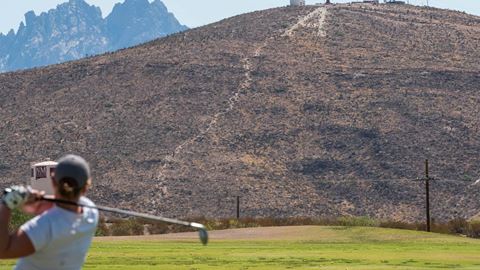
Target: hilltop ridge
pixel 309 111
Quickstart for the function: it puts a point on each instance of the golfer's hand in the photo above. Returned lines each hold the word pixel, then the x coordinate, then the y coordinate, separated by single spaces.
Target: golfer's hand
pixel 16 196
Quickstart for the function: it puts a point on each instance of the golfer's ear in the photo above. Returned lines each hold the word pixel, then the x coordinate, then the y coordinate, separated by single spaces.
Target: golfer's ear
pixel 87 186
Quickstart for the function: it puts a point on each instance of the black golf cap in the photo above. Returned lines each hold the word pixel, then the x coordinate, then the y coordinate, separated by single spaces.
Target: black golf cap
pixel 74 167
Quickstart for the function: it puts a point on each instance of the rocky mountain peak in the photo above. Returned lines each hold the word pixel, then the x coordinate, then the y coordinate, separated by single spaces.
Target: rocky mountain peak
pixel 78 5
pixel 154 15
pixel 76 29
pixel 11 33
pixel 30 18
pixel 77 2
pixel 21 29
pixel 74 7
pixel 136 2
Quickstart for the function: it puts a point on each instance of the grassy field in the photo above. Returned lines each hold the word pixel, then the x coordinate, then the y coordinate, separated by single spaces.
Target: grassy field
pixel 288 248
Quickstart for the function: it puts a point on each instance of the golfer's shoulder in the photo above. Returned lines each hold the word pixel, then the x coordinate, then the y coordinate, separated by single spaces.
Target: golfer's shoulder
pixel 89 212
pixel 86 201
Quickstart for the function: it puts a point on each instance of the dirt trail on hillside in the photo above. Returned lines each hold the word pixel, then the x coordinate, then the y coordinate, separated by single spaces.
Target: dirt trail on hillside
pixel 315 19
pixel 245 85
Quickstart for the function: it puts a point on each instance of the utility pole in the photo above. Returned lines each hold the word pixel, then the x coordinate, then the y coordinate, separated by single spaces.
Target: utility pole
pixel 427 180
pixel 238 207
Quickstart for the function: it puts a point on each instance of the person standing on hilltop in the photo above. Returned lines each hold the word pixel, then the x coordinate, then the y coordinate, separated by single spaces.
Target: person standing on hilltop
pixel 61 234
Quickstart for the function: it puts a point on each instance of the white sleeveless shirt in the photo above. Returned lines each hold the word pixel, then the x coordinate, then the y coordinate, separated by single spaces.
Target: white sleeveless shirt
pixel 61 238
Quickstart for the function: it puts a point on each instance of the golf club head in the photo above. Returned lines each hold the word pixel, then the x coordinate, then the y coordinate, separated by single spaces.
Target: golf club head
pixel 203 236
pixel 202 232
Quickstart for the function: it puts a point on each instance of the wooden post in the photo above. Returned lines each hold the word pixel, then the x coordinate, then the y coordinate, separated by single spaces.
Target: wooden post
pixel 427 192
pixel 238 207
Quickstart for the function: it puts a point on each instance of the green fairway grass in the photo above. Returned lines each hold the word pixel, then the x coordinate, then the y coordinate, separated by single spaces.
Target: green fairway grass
pixel 301 248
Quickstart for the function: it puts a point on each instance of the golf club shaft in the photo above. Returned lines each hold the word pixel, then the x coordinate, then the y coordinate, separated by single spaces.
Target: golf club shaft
pixel 129 213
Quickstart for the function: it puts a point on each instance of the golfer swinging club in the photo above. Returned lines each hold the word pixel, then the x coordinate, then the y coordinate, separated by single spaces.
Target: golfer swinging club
pixel 60 235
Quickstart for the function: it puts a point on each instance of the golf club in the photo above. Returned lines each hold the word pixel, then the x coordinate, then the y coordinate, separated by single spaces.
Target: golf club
pixel 202 231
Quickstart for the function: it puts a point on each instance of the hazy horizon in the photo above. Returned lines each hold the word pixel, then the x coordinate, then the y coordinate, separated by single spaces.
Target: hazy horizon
pixel 192 13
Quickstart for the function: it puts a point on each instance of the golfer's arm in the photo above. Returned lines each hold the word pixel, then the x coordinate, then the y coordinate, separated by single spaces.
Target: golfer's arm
pixel 12 245
pixel 5 215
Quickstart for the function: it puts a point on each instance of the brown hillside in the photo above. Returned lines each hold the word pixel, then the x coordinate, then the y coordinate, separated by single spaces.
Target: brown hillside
pixel 301 111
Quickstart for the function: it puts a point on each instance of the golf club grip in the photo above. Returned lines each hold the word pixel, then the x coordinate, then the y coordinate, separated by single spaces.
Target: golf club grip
pixel 129 213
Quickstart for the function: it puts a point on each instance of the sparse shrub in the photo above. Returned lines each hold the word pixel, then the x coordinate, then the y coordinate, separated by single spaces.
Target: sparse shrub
pixel 126 227
pixel 158 228
pixel 468 178
pixel 443 228
pixel 280 90
pixel 458 226
pixel 102 228
pixel 357 222
pixel 398 225
pixel 474 230
pixel 18 218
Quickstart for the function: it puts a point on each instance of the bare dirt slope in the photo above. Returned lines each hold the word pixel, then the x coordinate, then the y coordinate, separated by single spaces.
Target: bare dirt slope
pixel 312 111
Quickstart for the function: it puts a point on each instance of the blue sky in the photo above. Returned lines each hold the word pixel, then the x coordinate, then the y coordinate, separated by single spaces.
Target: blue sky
pixel 193 13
